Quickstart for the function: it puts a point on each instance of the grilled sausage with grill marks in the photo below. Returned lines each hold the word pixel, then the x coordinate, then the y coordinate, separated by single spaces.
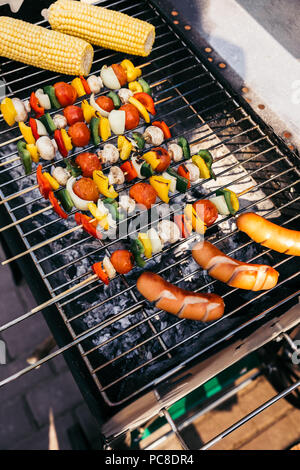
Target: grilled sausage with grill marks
pixel 269 234
pixel 180 302
pixel 233 272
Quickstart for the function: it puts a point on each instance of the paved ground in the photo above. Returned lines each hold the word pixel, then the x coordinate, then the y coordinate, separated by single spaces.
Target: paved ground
pixel 25 404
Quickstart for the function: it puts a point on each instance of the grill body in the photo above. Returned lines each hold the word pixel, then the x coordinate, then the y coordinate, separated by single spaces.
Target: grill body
pixel 119 348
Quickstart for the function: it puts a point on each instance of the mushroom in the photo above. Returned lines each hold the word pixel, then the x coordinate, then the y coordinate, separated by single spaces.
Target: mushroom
pixel 61 175
pixel 116 175
pixel 193 171
pixel 60 121
pixel 46 147
pixel 109 154
pixel 124 95
pixel 20 110
pixel 175 152
pixel 95 83
pixel 168 231
pixel 127 203
pixel 154 135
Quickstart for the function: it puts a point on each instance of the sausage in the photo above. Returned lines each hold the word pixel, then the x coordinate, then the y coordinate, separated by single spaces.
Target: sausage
pixel 180 302
pixel 233 272
pixel 269 234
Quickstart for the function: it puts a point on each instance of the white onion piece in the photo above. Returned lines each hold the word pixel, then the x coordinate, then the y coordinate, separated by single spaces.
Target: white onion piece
pixel 41 129
pixel 156 242
pixel 46 148
pixel 137 166
pixel 109 268
pixel 220 203
pixel 43 99
pixel 172 180
pixel 117 121
pixel 20 110
pixel 97 107
pixel 81 204
pixel 109 78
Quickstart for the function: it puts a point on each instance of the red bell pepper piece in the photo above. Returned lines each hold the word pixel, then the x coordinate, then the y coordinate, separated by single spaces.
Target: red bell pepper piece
pixel 56 206
pixel 183 171
pixel 33 125
pixel 44 185
pixel 163 126
pixel 130 171
pixel 35 105
pixel 146 101
pixel 87 225
pixel 86 86
pixel 60 143
pixel 183 227
pixel 99 271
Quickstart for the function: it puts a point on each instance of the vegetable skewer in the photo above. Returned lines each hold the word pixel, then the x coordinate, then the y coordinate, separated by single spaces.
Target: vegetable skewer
pixel 59 236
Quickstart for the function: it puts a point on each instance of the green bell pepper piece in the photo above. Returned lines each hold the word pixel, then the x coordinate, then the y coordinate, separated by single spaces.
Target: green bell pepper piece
pixel 227 196
pixel 48 122
pixel 74 170
pixel 139 139
pixel 95 130
pixel 147 170
pixel 65 199
pixel 185 147
pixel 138 250
pixel 181 182
pixel 207 157
pixel 145 86
pixel 24 156
pixel 50 91
pixel 117 102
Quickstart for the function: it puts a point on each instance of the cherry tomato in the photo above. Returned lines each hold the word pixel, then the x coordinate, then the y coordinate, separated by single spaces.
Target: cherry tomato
pixel 206 210
pixel 65 93
pixel 120 74
pixel 164 159
pixel 105 103
pixel 132 117
pixel 122 261
pixel 143 194
pixel 88 162
pixel 80 134
pixel 86 189
pixel 73 114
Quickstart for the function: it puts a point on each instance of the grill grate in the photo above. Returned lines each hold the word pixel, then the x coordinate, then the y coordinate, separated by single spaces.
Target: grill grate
pixel 127 345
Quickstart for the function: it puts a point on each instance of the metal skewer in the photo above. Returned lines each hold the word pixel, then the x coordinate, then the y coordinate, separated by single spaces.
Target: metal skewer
pixel 67 232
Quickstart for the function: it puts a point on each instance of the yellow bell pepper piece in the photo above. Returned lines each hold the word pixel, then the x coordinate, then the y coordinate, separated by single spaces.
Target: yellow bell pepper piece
pixel 200 163
pixel 141 108
pixel 8 111
pixel 98 215
pixel 161 186
pixel 152 159
pixel 88 111
pixel 135 87
pixel 27 133
pixel 77 84
pixel 194 219
pixel 53 183
pixel 146 244
pixel 124 147
pixel 104 128
pixel 234 200
pixel 32 149
pixel 66 139
pixel 132 72
pixel 103 184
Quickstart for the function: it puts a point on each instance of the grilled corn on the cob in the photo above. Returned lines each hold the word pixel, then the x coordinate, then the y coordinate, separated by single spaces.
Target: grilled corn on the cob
pixel 41 47
pixel 102 27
